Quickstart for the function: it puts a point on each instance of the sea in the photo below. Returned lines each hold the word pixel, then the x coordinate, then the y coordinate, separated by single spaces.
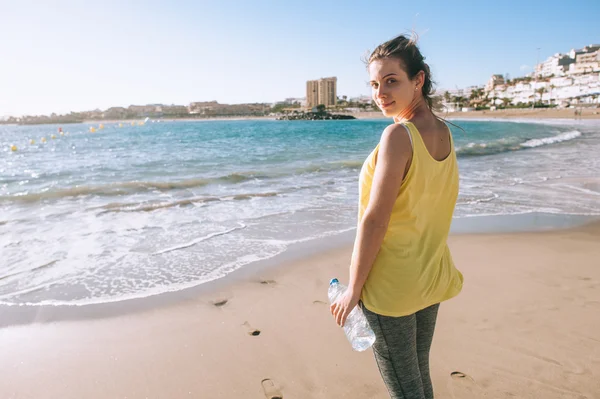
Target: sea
pixel 135 210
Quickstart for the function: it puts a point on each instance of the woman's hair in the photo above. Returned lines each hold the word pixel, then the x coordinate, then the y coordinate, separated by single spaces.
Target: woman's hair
pixel 406 50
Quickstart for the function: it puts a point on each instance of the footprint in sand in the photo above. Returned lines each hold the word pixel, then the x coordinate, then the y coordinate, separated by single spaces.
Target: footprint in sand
pixel 458 375
pixel 220 302
pixel 268 282
pixel 251 331
pixel 463 385
pixel 271 390
pixel 317 302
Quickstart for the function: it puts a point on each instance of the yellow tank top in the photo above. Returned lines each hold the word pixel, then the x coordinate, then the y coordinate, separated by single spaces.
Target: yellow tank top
pixel 413 268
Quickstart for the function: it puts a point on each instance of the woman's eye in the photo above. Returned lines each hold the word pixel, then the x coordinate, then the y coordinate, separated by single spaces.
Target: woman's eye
pixel 390 81
pixel 374 85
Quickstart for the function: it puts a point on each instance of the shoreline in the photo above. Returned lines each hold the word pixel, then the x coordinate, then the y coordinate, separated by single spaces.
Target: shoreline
pixel 528 113
pixel 501 114
pixel 531 223
pixel 508 114
pixel 524 326
pixel 516 113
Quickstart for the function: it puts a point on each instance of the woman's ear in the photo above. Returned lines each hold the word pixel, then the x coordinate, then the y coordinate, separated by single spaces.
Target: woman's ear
pixel 421 79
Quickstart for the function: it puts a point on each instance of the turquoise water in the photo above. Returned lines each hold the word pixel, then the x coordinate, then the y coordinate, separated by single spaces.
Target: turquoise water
pixel 138 210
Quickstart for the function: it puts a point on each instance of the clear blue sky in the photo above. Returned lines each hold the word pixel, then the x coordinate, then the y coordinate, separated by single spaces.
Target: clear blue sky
pixel 78 55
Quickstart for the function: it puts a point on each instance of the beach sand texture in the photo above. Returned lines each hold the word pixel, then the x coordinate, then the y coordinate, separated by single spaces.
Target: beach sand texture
pixel 525 326
pixel 513 113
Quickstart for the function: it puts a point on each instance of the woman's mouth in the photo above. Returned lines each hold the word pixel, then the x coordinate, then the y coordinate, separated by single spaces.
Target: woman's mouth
pixel 386 105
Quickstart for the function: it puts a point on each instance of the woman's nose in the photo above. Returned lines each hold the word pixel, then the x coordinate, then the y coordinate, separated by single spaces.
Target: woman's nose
pixel 380 93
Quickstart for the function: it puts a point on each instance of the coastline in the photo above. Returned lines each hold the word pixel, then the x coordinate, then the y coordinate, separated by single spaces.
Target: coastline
pixel 220 118
pixel 520 113
pixel 516 113
pixel 528 223
pixel 523 325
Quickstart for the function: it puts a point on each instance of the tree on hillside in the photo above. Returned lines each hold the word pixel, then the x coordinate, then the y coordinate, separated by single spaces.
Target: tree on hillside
pixel 477 93
pixel 459 100
pixel 474 95
pixel 447 97
pixel 541 92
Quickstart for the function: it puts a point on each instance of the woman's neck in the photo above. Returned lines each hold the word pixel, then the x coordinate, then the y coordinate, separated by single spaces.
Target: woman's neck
pixel 418 109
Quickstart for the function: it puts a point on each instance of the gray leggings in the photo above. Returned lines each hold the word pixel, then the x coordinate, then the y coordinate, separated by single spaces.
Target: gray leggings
pixel 401 350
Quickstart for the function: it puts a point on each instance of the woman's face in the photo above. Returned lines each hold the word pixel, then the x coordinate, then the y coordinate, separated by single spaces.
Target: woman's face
pixel 392 90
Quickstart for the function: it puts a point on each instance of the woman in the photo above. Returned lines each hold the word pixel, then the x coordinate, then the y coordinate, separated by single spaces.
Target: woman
pixel 401 267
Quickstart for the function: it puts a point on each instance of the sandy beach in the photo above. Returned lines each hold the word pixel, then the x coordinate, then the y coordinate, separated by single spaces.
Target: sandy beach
pixel 528 113
pixel 525 113
pixel 526 326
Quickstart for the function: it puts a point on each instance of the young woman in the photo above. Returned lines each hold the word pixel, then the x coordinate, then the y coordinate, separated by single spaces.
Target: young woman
pixel 401 266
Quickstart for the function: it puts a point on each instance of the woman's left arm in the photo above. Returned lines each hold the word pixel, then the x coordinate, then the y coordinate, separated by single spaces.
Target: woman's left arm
pixel 394 153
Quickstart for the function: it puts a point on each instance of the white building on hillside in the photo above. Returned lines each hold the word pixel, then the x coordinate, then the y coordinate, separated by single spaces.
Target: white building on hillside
pixel 556 65
pixel 494 81
pixel 299 100
pixel 466 92
pixel 361 99
pixel 586 62
pixel 587 49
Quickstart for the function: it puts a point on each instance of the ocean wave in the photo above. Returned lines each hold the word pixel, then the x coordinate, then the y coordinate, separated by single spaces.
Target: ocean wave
pixel 200 239
pixel 330 166
pixel 12 299
pixel 13 274
pixel 149 207
pixel 134 187
pixel 512 144
pixel 551 140
pixel 471 200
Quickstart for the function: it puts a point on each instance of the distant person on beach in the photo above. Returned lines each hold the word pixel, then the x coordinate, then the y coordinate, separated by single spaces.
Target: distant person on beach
pixel 401 267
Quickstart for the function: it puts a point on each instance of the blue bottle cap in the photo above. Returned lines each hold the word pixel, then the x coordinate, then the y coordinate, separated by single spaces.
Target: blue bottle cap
pixel 333 281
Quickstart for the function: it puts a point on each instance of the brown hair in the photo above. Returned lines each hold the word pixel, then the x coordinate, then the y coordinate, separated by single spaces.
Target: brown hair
pixel 408 53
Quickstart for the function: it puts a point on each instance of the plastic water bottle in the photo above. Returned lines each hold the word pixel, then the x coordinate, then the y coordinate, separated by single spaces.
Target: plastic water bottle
pixel 357 327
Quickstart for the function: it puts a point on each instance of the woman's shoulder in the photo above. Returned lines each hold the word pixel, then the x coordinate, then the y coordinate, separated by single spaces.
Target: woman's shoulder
pixel 395 140
pixel 395 134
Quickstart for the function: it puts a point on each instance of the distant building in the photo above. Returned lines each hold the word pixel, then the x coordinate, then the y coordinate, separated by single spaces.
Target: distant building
pixel 563 79
pixel 301 101
pixel 312 93
pixel 328 91
pixel 586 62
pixel 203 107
pixel 556 65
pixel 494 81
pixel 322 91
pixel 362 100
pixel 587 49
pixel 576 61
